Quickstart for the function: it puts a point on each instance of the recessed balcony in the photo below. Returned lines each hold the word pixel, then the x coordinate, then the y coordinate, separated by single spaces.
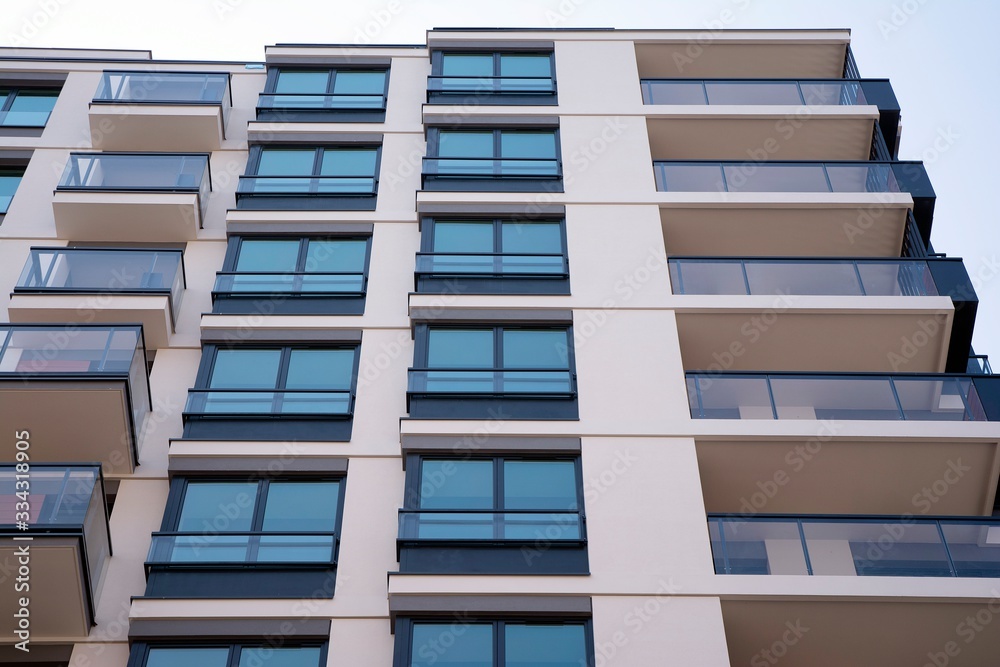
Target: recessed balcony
pixel 64 542
pixel 160 111
pixel 132 197
pixel 808 314
pixel 106 285
pixel 745 54
pixel 782 119
pixel 790 208
pixel 81 390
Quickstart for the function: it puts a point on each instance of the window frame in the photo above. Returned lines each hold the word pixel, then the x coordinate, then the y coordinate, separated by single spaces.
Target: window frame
pixel 520 98
pixel 322 114
pixel 291 302
pixel 10 96
pixel 139 653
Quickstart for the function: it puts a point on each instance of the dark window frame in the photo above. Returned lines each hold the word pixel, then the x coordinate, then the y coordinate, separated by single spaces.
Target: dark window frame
pixel 11 93
pixel 139 653
pixel 298 302
pixel 498 98
pixel 322 114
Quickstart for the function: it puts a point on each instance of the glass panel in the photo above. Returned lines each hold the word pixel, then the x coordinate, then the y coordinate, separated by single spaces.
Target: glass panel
pixel 862 178
pixel 280 657
pixel 360 83
pixel 301 506
pixel 539 485
pixel 690 178
pixel 974 549
pixel 450 525
pixel 749 177
pixel 344 255
pixel 832 93
pixel 8 186
pixel 332 403
pixel 460 348
pixel 267 255
pixel 525 65
pixel 524 348
pixel 515 144
pixel 465 144
pixel 348 162
pixel 320 369
pixel 451 484
pixel 452 645
pixel 187 657
pixel 764 547
pixel 204 547
pixel 463 237
pixel 755 92
pixel 541 526
pixel 467 64
pixel 245 369
pixel 531 237
pixel 30 109
pixel 692 276
pixel 743 397
pixel 897 279
pixel 934 400
pixel 674 92
pixel 545 645
pixel 819 278
pixel 295 549
pixel 218 506
pixel 841 398
pixel 286 161
pixel 464 382
pixel 880 549
pixel 58 495
pixel 302 82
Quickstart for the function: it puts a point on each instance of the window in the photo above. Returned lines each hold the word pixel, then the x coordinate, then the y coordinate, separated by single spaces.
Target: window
pixel 509 159
pixel 9 180
pixel 260 392
pixel 507 503
pixel 305 275
pixel 320 177
pixel 26 107
pixel 496 78
pixel 238 529
pixel 505 363
pixel 251 654
pixel 327 94
pixel 508 643
pixel 493 256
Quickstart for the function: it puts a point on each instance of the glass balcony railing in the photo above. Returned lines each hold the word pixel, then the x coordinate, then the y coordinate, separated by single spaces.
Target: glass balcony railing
pixel 750 92
pixel 522 382
pixel 846 396
pixel 492 85
pixel 979 364
pixel 240 549
pixel 480 526
pixel 492 265
pixel 138 172
pixel 839 277
pixel 856 546
pixel 487 167
pixel 264 403
pixel 304 186
pixel 105 270
pixel 165 88
pixel 327 102
pixel 306 284
pixel 743 177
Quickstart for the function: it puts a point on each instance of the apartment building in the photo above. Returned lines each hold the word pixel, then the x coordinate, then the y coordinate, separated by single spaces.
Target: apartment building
pixel 516 348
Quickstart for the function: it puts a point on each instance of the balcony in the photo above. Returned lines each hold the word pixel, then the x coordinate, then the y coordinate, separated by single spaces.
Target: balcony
pixel 254 414
pixel 482 174
pixel 836 301
pixel 106 285
pixel 298 292
pixel 846 209
pixel 67 540
pixel 93 377
pixel 160 111
pixel 132 197
pixel 784 119
pixel 492 273
pixel 461 393
pixel 844 396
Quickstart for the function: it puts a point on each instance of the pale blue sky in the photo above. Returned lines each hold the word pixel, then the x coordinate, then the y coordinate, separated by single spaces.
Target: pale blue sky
pixel 936 52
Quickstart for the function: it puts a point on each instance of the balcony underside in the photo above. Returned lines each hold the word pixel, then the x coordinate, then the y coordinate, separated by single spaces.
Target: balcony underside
pixel 747 59
pixel 861 633
pixel 718 132
pixel 814 333
pixel 156 127
pixel 86 420
pixel 808 475
pixel 126 216
pixel 779 224
pixel 58 606
pixel 152 311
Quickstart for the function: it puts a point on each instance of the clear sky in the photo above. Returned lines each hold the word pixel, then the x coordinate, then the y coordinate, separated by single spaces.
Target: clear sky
pixel 937 53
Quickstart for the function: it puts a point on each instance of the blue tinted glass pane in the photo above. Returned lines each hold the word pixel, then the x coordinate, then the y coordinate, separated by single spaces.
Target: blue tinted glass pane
pixel 320 369
pixel 302 82
pixel 460 348
pixel 31 109
pixel 245 369
pixel 535 348
pixel 545 645
pixel 218 506
pixel 527 144
pixel 302 506
pixel 539 485
pixel 532 237
pixel 452 645
pixel 463 237
pixel 279 657
pixel 267 255
pixel 527 65
pixel 462 485
pixel 286 162
pixel 187 657
pixel 467 64
pixel 348 162
pixel 334 256
pixel 361 83
pixel 8 186
pixel 465 144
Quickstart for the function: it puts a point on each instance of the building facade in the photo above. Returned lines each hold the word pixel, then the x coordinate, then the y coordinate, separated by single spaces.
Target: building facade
pixel 517 347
